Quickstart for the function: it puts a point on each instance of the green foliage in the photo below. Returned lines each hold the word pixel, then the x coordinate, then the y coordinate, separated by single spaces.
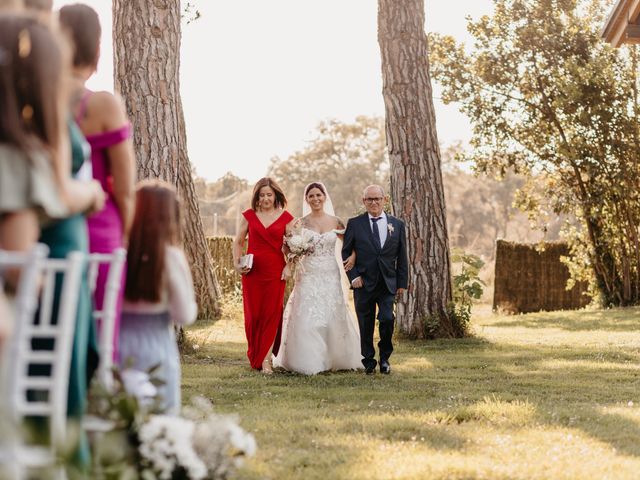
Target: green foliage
pixel 190 12
pixel 466 287
pixel 346 157
pixel 549 100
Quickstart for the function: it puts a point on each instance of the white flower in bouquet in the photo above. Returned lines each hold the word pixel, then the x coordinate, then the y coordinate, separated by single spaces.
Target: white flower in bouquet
pixel 166 444
pixel 138 384
pixel 218 439
pixel 242 442
pixel 296 243
pixel 300 243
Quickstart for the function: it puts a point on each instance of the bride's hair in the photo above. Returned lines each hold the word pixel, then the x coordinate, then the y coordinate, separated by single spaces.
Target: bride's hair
pixel 319 186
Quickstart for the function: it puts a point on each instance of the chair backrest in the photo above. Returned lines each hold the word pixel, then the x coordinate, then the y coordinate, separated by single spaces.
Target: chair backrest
pixel 106 316
pixel 25 303
pixel 30 265
pixel 47 395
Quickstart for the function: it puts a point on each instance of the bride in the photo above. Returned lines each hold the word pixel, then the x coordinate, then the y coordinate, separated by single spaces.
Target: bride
pixel 319 331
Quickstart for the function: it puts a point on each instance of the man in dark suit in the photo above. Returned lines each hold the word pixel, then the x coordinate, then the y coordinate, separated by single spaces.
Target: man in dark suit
pixel 380 273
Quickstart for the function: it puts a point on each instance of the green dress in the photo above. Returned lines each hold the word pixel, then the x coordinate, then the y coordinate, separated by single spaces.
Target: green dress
pixel 63 237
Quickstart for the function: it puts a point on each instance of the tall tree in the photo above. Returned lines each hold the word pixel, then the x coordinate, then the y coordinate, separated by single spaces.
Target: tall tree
pixel 549 99
pixel 345 156
pixel 416 177
pixel 146 36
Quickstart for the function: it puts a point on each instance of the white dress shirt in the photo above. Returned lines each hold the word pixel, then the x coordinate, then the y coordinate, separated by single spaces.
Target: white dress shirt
pixel 382 227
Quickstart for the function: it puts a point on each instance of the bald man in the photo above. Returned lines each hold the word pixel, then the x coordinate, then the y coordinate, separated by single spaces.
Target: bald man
pixel 380 273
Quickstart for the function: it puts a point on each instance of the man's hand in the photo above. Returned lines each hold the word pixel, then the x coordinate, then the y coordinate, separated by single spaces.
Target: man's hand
pixel 357 282
pixel 400 292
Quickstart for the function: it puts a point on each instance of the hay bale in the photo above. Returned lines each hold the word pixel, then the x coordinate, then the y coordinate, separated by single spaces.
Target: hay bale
pixel 531 279
pixel 221 253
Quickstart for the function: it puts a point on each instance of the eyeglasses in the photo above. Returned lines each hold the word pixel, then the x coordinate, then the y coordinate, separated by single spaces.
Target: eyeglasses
pixel 373 199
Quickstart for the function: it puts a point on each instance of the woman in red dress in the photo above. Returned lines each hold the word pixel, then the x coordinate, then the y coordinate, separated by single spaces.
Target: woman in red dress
pixel 263 285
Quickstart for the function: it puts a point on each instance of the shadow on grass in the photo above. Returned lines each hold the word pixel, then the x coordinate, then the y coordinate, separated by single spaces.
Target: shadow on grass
pixel 563 383
pixel 308 426
pixel 614 320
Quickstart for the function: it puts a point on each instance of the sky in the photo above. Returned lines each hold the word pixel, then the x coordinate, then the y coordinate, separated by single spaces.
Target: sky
pixel 257 76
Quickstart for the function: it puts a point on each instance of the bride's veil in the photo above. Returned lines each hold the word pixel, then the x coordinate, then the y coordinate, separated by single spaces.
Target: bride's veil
pixel 328 209
pixel 328 204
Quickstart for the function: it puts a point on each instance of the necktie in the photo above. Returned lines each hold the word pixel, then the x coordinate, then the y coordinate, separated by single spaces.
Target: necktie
pixel 376 232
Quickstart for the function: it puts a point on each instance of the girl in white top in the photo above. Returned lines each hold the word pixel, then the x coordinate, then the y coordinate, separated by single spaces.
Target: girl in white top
pixel 159 289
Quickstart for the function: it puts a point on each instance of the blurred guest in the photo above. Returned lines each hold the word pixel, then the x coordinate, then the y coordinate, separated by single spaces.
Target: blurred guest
pixel 44 6
pixel 33 108
pixel 7 5
pixel 103 120
pixel 159 289
pixel 32 131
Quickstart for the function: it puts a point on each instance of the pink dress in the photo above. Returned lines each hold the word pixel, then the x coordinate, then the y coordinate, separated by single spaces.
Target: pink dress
pixel 105 227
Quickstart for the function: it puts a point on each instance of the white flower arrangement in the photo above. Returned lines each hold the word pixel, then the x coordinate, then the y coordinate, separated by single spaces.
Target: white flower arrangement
pixel 138 383
pixel 218 439
pixel 166 447
pixel 390 228
pixel 148 444
pixel 200 445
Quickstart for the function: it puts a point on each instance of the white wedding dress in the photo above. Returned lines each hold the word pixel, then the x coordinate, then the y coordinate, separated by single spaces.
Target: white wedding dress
pixel 319 332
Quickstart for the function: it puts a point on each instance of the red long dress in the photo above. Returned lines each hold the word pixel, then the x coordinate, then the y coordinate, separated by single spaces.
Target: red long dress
pixel 262 288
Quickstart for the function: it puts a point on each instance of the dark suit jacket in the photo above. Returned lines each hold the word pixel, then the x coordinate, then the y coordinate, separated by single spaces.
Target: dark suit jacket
pixel 371 262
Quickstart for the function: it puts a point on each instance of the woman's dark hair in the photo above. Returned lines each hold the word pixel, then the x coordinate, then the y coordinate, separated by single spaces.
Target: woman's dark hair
pixel 314 185
pixel 32 85
pixel 82 24
pixel 156 224
pixel 281 200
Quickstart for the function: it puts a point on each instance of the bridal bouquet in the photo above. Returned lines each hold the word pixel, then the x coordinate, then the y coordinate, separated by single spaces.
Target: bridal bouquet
pixel 300 242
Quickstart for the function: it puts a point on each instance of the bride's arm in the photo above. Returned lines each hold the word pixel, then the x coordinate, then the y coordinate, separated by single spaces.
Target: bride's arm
pixel 350 262
pixel 340 228
pixel 287 231
pixel 286 272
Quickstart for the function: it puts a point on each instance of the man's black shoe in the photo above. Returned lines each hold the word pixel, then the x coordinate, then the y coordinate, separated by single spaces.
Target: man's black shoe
pixel 370 370
pixel 385 368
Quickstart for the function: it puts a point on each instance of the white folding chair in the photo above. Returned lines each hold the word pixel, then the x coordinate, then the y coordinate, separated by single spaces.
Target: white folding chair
pixel 45 396
pixel 25 302
pixel 24 305
pixel 30 265
pixel 107 315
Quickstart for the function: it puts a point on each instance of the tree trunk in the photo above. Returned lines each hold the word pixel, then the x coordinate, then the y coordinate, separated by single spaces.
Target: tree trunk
pixel 416 176
pixel 146 37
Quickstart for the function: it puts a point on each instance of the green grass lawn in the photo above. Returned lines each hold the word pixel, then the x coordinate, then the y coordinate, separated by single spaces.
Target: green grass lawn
pixel 539 396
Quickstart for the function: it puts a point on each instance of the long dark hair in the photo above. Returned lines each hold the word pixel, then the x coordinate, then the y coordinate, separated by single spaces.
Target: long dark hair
pixel 82 24
pixel 32 85
pixel 314 185
pixel 156 224
pixel 281 200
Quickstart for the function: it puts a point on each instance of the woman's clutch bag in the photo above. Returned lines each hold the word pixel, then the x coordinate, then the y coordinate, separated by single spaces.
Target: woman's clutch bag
pixel 246 261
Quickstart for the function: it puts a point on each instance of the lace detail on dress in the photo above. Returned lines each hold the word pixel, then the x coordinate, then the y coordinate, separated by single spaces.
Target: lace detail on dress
pixel 325 243
pixel 319 331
